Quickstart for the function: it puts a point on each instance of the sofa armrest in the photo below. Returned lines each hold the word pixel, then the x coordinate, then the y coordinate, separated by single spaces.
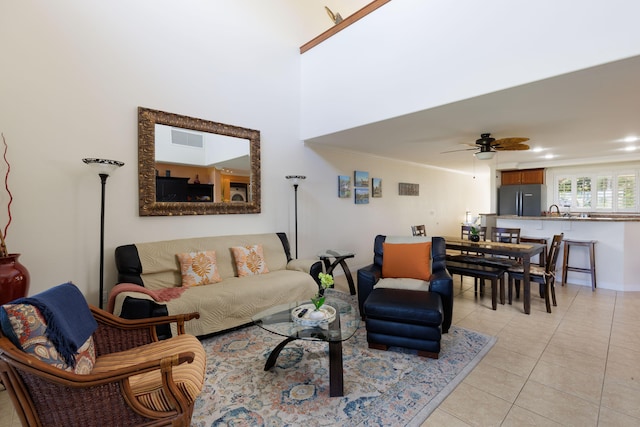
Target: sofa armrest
pixel 367 277
pixel 309 266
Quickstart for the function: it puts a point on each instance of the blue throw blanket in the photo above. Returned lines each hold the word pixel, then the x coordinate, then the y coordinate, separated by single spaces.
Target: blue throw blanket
pixel 69 319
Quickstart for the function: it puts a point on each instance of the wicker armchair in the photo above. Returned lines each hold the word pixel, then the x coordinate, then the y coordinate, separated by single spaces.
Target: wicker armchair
pixel 136 379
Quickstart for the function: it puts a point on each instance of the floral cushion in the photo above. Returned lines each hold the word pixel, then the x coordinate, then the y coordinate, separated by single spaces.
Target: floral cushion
pixel 25 327
pixel 249 260
pixel 199 268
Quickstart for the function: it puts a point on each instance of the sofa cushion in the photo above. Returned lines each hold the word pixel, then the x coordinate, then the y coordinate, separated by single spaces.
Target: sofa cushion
pixel 147 387
pixel 407 260
pixel 249 260
pixel 198 268
pixel 25 327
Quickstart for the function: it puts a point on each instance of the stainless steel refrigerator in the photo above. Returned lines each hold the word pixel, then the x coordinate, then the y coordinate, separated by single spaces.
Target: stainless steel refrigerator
pixel 522 200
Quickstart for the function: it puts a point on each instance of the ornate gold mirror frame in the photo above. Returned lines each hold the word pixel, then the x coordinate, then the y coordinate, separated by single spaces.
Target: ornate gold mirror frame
pixel 147 120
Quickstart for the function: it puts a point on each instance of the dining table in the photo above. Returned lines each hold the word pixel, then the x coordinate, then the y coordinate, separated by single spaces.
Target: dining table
pixel 521 251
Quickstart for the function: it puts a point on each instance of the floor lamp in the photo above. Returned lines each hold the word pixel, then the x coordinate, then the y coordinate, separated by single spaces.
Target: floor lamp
pixel 104 167
pixel 296 180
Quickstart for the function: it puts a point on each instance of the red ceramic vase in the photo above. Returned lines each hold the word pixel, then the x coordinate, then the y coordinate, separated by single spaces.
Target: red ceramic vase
pixel 14 279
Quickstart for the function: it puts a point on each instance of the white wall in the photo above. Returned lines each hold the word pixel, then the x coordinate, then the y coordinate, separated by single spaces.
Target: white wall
pixel 446 51
pixel 73 75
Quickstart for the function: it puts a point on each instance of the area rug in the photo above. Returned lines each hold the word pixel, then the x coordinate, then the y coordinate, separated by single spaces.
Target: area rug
pixel 381 388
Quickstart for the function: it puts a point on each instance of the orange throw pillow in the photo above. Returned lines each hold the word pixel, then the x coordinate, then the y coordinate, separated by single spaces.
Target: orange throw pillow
pixel 410 260
pixel 198 268
pixel 249 260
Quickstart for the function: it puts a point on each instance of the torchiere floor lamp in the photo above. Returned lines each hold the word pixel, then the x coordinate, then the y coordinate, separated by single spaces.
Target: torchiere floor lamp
pixel 296 180
pixel 104 168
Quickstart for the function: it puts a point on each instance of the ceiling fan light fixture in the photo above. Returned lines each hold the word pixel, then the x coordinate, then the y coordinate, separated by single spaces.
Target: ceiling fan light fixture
pixel 485 155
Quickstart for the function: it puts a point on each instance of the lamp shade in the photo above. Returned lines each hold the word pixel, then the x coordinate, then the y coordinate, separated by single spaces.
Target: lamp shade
pixel 295 178
pixel 485 155
pixel 103 166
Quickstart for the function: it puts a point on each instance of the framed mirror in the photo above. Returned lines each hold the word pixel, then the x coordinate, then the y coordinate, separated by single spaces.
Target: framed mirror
pixel 190 166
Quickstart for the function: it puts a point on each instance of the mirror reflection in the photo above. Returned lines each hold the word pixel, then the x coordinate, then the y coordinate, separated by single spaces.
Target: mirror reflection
pixel 191 166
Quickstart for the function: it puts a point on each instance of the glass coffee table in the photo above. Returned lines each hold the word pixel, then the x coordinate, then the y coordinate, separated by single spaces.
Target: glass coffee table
pixel 280 320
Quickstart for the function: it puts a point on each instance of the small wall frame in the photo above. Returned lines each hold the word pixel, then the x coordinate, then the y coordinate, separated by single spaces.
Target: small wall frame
pixel 406 189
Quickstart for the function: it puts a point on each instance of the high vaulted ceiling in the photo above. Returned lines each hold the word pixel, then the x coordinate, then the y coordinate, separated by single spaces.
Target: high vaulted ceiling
pixel 578 118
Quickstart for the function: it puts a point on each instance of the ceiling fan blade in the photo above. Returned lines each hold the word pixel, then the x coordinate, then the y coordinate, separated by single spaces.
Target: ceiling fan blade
pixel 509 141
pixel 462 149
pixel 512 147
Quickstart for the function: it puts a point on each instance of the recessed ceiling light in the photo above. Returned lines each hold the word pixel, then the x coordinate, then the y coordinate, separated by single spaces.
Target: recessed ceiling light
pixel 630 148
pixel 549 156
pixel 631 139
pixel 537 149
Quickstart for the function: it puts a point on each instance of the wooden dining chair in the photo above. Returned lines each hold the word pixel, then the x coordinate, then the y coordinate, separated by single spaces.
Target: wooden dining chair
pixel 545 276
pixel 468 257
pixel 505 235
pixel 418 230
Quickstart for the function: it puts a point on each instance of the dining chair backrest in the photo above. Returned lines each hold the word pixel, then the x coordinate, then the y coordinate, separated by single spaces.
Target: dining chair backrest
pixel 505 235
pixel 554 250
pixel 465 232
pixel 418 230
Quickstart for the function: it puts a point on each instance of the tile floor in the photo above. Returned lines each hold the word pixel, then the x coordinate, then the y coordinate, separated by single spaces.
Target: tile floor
pixel 579 365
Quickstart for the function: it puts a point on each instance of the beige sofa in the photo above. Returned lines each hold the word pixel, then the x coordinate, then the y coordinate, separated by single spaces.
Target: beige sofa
pixel 150 281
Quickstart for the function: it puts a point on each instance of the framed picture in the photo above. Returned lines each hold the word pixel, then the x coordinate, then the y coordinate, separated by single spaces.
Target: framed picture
pixel 376 187
pixel 344 186
pixel 406 189
pixel 361 196
pixel 360 179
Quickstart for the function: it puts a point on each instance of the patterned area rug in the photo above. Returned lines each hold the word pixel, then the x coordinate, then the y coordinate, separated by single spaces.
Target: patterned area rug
pixel 394 387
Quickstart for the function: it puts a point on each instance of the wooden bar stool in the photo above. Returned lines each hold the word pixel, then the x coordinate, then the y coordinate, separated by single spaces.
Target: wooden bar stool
pixel 591 244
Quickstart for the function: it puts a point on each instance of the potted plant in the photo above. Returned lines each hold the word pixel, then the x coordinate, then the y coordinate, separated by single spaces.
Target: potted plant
pixel 474 235
pixel 14 277
pixel 326 281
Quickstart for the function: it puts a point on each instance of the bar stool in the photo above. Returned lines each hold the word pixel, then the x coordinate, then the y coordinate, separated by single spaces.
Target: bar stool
pixel 591 244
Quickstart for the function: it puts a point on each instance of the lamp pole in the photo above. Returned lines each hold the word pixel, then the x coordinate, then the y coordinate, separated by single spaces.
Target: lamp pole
pixel 296 180
pixel 104 167
pixel 103 181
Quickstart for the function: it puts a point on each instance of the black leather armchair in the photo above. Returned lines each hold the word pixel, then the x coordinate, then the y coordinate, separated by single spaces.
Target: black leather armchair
pixel 440 281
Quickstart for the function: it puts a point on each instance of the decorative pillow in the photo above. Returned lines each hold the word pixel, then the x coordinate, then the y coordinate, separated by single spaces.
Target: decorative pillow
pixel 249 260
pixel 25 327
pixel 199 268
pixel 411 260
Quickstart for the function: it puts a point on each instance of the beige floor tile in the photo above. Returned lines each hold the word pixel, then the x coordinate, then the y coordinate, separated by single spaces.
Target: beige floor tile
pixel 520 417
pixel 595 346
pixel 621 398
pixel 587 386
pixel 496 381
pixel 475 406
pixel 510 361
pixel 558 406
pixel 610 418
pixel 581 361
pixel 623 356
pixel 8 417
pixel 624 336
pixel 522 344
pixel 439 418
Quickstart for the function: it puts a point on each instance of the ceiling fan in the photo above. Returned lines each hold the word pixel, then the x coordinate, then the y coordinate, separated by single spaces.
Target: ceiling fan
pixel 488 146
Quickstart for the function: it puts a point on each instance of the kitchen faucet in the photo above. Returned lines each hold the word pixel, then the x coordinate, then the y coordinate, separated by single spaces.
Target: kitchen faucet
pixel 557 209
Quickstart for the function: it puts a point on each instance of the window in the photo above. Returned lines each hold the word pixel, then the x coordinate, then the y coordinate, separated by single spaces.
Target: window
pixel 626 192
pixel 604 192
pixel 607 191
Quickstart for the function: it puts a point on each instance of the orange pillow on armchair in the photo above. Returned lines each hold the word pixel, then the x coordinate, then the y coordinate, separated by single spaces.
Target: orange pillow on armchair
pixel 406 260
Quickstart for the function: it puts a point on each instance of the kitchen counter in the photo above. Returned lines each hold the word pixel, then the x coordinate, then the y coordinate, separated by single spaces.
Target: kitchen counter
pixel 597 218
pixel 618 243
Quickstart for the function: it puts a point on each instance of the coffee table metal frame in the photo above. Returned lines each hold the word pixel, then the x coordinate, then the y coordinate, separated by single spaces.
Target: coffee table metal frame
pixel 278 320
